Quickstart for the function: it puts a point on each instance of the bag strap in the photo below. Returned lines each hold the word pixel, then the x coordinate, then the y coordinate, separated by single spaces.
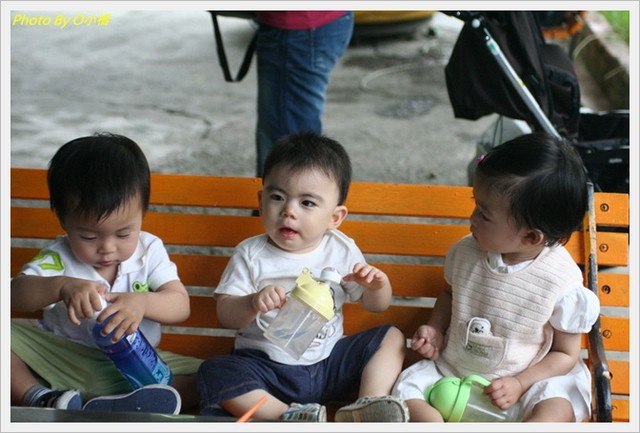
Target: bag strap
pixel 222 56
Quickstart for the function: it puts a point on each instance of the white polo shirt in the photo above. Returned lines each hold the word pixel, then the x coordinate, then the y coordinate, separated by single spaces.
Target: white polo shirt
pixel 146 270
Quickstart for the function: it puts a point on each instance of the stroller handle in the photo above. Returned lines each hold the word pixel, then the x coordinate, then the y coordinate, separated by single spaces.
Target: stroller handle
pixel 475 20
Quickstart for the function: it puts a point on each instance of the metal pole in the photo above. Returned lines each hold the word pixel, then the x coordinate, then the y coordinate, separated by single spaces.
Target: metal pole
pixel 515 80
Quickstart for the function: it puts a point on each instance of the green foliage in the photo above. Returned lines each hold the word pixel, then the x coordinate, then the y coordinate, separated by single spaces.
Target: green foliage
pixel 619 21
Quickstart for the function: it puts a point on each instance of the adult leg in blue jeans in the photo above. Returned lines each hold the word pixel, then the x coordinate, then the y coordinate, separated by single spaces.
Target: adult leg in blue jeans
pixel 294 68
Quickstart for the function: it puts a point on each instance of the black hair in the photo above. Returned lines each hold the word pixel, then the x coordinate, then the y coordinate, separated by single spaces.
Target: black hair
pixel 96 175
pixel 545 181
pixel 309 150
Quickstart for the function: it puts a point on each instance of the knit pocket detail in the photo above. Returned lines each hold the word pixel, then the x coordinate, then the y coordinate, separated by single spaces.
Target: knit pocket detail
pixel 481 353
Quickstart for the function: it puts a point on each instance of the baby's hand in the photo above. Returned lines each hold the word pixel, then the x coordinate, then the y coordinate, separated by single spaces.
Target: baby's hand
pixel 504 392
pixel 269 298
pixel 126 311
pixel 82 298
pixel 368 276
pixel 427 341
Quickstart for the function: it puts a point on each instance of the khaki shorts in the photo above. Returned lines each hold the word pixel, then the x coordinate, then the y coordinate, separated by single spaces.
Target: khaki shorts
pixel 65 364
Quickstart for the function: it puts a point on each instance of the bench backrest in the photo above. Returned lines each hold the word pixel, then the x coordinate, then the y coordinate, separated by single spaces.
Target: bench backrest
pixel 404 229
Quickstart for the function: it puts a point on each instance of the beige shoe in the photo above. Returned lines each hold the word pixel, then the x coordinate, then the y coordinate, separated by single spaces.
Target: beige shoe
pixel 374 409
pixel 310 412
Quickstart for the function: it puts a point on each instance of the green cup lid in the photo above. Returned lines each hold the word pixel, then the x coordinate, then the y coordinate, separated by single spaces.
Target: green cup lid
pixel 450 395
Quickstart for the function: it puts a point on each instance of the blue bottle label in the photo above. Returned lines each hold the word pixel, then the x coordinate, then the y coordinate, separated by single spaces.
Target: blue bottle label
pixel 149 358
pixel 135 357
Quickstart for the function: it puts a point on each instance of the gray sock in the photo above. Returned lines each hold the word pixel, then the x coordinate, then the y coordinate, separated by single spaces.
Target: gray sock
pixel 33 394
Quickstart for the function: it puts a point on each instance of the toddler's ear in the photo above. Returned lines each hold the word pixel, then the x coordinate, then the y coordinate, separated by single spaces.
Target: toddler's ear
pixel 534 237
pixel 339 214
pixel 259 199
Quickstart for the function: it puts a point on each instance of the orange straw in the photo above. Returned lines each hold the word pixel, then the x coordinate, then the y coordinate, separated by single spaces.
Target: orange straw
pixel 252 410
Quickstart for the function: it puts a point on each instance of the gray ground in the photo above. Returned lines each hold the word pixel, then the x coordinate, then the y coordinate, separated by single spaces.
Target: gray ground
pixel 154 76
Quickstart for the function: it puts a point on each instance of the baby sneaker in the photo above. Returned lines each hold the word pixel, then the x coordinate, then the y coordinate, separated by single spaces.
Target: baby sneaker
pixel 309 412
pixel 68 399
pixel 156 398
pixel 374 409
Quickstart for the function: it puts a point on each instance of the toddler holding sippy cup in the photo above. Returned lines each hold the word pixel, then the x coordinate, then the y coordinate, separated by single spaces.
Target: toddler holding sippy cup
pixel 305 185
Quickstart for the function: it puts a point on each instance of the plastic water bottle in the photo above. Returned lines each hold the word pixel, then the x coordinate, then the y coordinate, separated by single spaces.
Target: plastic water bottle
pixel 134 356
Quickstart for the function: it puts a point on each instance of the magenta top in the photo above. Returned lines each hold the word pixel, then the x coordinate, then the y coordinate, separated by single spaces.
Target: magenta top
pixel 297 20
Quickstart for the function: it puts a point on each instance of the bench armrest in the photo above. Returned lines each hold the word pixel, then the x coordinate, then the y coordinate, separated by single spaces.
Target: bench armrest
pixel 602 412
pixel 601 376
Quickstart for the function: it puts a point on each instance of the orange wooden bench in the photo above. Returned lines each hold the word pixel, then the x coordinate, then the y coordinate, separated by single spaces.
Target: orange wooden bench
pixel 404 229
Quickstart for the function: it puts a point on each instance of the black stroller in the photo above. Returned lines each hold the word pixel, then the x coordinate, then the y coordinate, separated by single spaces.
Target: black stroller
pixel 501 63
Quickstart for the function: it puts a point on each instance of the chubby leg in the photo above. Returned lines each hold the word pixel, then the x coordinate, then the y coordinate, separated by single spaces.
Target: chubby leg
pixel 383 368
pixel 375 404
pixel 410 387
pixel 421 411
pixel 552 410
pixel 272 409
pixel 237 382
pixel 28 389
pixel 22 379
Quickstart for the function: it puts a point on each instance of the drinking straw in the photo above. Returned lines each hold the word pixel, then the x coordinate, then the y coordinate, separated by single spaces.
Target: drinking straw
pixel 252 410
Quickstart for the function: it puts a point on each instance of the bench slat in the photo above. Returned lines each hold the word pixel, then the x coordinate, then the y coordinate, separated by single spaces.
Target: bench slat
pixel 620 377
pixel 403 239
pixel 206 191
pixel 404 200
pixel 413 278
pixel 29 183
pixel 199 270
pixel 620 412
pixel 20 256
pixel 199 346
pixel 613 249
pixel 407 318
pixel 612 209
pixel 613 289
pixel 38 223
pixel 615 333
pixel 202 230
pixel 373 237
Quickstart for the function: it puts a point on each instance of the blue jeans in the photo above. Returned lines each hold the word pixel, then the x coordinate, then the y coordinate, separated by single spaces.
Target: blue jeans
pixel 294 67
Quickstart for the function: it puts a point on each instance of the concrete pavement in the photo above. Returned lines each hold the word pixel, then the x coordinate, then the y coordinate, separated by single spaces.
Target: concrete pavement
pixel 154 76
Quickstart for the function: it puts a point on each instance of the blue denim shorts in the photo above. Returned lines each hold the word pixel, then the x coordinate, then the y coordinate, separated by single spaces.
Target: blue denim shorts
pixel 224 377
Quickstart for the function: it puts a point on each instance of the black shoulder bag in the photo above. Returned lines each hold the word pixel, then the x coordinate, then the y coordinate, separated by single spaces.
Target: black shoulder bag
pixel 222 56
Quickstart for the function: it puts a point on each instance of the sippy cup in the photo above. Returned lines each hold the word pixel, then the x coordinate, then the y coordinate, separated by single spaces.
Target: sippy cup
pixel 462 400
pixel 307 309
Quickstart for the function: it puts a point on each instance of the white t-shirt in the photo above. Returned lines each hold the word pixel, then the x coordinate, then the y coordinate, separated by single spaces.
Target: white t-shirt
pixel 147 269
pixel 256 263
